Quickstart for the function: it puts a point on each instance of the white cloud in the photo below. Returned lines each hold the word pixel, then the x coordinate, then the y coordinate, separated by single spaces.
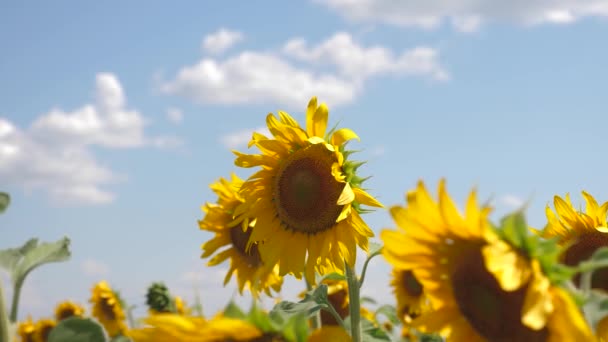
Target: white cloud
pixel 466 15
pixel 241 138
pixel 54 153
pixel 270 76
pixel 95 268
pixel 357 62
pixel 221 40
pixel 175 115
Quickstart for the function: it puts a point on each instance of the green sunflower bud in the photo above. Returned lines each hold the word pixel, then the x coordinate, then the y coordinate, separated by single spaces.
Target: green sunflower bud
pixel 159 299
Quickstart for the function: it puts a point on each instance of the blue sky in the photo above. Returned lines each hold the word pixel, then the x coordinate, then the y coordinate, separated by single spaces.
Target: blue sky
pixel 115 117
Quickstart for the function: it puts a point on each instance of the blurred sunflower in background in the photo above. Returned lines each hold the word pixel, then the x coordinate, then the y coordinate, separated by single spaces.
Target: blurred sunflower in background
pixel 68 309
pixel 581 233
pixel 411 299
pixel 171 327
pixel 245 261
pixel 306 198
pixel 479 286
pixel 108 310
pixel 43 329
pixel 26 330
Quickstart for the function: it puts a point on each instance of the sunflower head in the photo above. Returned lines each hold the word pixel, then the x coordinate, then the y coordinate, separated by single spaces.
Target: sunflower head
pixel 480 286
pixel 26 330
pixel 43 329
pixel 306 198
pixel 159 299
pixel 245 261
pixel 68 309
pixel 107 309
pixel 581 233
pixel 411 299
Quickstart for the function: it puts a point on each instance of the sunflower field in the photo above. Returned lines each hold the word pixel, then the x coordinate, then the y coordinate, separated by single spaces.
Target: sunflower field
pixel 456 275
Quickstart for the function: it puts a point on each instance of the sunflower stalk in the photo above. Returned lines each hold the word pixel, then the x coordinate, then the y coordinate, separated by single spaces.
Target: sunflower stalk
pixel 369 258
pixel 315 321
pixel 15 302
pixel 4 325
pixel 354 303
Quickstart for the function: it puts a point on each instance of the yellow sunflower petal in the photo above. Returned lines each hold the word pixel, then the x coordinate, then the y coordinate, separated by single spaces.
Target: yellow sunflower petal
pixel 343 135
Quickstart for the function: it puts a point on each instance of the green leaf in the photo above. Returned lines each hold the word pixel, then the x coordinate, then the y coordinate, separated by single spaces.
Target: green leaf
pixel 287 309
pixel 19 262
pixel 76 329
pixel 260 319
pixel 369 331
pixel 332 276
pixel 369 300
pixel 5 200
pixel 514 229
pixel 374 248
pixel 601 254
pixel 596 307
pixel 234 311
pixel 389 312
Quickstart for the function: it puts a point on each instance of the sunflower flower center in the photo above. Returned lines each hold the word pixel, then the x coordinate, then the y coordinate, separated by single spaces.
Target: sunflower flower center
pixel 66 313
pixel 411 284
pixel 583 249
pixel 493 313
pixel 107 310
pixel 306 192
pixel 239 240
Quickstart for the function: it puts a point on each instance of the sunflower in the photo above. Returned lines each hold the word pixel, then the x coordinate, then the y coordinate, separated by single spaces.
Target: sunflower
pixel 479 286
pixel 107 309
pixel 581 233
pixel 246 263
pixel 329 333
pixel 26 330
pixel 177 328
pixel 43 329
pixel 68 309
pixel 411 300
pixel 306 198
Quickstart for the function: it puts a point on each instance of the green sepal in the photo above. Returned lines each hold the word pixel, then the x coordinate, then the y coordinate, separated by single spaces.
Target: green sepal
pixel 76 329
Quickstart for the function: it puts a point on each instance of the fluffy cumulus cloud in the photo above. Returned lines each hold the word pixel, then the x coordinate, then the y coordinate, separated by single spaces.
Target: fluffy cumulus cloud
pixel 221 40
pixel 467 15
pixel 293 73
pixel 54 153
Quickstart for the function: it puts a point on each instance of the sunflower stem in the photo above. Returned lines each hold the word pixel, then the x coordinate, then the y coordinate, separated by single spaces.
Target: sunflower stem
pixel 4 327
pixel 586 282
pixel 15 303
pixel 315 321
pixel 364 271
pixel 354 305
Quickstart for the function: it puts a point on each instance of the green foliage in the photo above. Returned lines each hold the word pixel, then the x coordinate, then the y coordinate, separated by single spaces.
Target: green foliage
pixel 5 200
pixel 369 331
pixel 374 248
pixel 233 311
pixel 389 312
pixel 331 276
pixel 596 307
pixel 514 229
pixel 19 262
pixel 76 329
